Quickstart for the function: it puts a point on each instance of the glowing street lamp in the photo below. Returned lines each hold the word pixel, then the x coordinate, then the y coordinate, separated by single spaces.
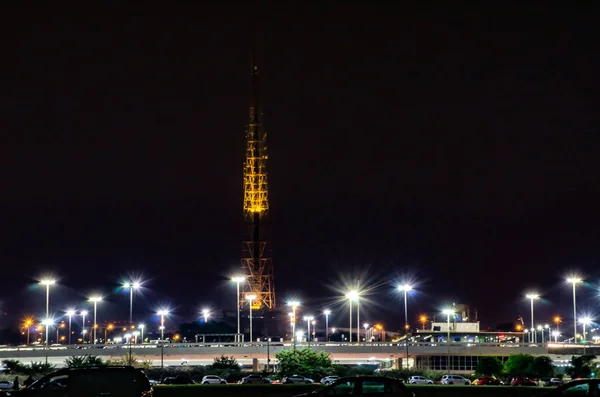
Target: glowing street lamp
pixel 294 305
pixel 47 282
pixel 556 334
pixel 162 313
pixel 352 296
pixel 141 328
pixel 574 280
pixel 448 312
pixel 83 314
pixel 70 313
pixel 405 288
pixel 238 280
pixel 27 324
pixel 557 320
pixel 327 313
pixel 95 300
pixel 131 286
pixel 250 298
pixel 205 314
pixel 308 319
pixel 532 297
pixel 47 322
pixel 423 320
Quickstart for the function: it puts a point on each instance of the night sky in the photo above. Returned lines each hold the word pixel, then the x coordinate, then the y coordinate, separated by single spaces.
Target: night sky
pixel 454 146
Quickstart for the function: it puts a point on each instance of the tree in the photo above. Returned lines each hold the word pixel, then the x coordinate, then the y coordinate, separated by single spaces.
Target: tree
pixel 542 367
pixel 224 362
pixel 489 366
pixel 519 365
pixel 582 366
pixel 130 359
pixel 84 361
pixel 306 362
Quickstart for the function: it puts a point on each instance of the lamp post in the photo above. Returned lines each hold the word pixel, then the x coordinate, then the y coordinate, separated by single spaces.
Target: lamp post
pixel 557 320
pixel 423 320
pixel 327 313
pixel 47 323
pixel 308 319
pixel 70 314
pixel 162 313
pixel 238 280
pixel 314 329
pixel 205 314
pixel 47 282
pixel 95 300
pixel 294 305
pixel 406 288
pixel 533 297
pixel 28 324
pixel 448 313
pixel 83 314
pixel 352 295
pixel 555 334
pixel 141 328
pixel 250 298
pixel 128 339
pixel 133 285
pixel 574 281
pixel 584 321
pixel 109 327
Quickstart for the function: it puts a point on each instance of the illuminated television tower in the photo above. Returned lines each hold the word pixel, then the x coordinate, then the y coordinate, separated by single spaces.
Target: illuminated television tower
pixel 256 253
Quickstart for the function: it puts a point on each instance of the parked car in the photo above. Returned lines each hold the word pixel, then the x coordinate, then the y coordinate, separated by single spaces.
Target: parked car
pixel 363 385
pixel 255 378
pixel 6 385
pixel 329 379
pixel 487 380
pixel 122 381
pixel 455 380
pixel 213 379
pixel 296 379
pixel 522 381
pixel 554 382
pixel 583 387
pixel 419 380
pixel 177 380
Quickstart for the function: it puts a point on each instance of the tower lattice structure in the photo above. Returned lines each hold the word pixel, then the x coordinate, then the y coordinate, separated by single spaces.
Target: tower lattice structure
pixel 256 253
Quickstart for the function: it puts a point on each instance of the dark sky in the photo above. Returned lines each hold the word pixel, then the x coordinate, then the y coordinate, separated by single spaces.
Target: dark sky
pixel 457 146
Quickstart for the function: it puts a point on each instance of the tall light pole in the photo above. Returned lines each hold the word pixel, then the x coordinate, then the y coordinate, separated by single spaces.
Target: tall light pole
pixel 162 313
pixel 250 298
pixel 47 323
pixel 448 312
pixel 574 281
pixel 28 323
pixel 47 282
pixel 352 295
pixel 327 313
pixel 131 286
pixel 70 313
pixel 238 280
pixel 533 297
pixel 557 320
pixel 95 300
pixel 308 319
pixel 584 321
pixel 141 327
pixel 205 314
pixel 405 288
pixel 294 305
pixel 83 314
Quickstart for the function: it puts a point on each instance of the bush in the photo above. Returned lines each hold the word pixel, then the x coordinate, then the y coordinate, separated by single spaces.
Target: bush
pixel 489 366
pixel 130 359
pixel 84 361
pixel 306 362
pixel 15 367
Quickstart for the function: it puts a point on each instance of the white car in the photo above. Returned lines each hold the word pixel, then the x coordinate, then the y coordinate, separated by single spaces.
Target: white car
pixel 329 379
pixel 419 380
pixel 6 385
pixel 213 379
pixel 455 380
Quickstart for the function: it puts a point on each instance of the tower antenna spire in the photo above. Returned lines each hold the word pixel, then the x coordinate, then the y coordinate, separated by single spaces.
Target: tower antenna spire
pixel 256 252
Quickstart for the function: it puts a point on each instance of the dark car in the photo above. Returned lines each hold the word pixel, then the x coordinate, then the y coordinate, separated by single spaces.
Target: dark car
pixel 583 387
pixel 89 381
pixel 363 385
pixel 521 381
pixel 255 378
pixel 178 380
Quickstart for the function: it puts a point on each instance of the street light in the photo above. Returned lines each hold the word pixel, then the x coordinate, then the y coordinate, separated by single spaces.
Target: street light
pixel 162 313
pixel 205 314
pixel 574 281
pixel 109 327
pixel 327 313
pixel 47 282
pixel 28 323
pixel 131 286
pixel 238 280
pixel 533 297
pixel 141 328
pixel 314 329
pixel 83 314
pixel 448 312
pixel 557 320
pixel 406 288
pixel 95 300
pixel 556 334
pixel 584 321
pixel 294 305
pixel 308 319
pixel 352 295
pixel 250 298
pixel 47 322
pixel 70 313
pixel 423 320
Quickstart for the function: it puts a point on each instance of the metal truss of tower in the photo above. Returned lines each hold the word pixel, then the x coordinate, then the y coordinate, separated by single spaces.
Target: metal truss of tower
pixel 256 253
